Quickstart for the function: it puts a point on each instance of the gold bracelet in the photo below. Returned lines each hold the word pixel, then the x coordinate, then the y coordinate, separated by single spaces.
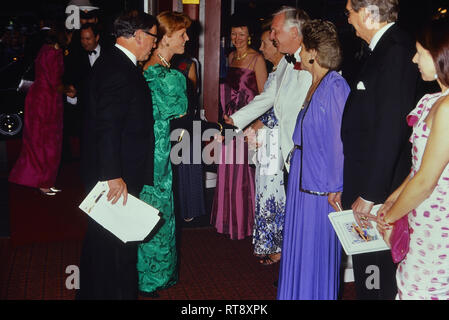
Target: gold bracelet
pixel 221 127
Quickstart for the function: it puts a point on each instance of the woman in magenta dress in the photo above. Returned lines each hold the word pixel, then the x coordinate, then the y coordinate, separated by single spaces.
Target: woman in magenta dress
pixel 311 251
pixel 38 162
pixel 233 206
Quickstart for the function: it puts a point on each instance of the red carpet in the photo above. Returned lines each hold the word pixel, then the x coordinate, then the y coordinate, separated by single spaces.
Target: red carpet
pixel 36 218
pixel 46 238
pixel 212 267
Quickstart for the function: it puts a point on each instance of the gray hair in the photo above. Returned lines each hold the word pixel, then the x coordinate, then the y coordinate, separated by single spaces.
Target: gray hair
pixel 293 18
pixel 387 10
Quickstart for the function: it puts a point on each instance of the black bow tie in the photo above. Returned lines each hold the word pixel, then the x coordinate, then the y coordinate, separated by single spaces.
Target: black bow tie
pixel 92 52
pixel 290 58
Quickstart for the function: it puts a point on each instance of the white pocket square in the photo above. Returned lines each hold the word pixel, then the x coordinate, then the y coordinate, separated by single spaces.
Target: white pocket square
pixel 361 86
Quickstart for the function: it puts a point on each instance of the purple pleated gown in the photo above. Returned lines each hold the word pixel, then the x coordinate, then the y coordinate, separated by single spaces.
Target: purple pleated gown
pixel 311 251
pixel 233 206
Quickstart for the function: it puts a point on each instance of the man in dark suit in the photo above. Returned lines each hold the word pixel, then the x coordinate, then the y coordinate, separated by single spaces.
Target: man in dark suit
pixel 118 148
pixel 78 65
pixel 375 133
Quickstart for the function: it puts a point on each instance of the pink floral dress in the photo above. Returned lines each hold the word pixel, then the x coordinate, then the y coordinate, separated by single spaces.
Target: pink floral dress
pixel 424 273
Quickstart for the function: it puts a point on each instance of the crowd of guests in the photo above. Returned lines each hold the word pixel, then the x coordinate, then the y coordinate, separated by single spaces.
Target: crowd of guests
pixel 320 146
pixel 347 148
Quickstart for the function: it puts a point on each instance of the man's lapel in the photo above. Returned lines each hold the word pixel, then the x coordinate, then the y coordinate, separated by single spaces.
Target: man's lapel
pixel 280 75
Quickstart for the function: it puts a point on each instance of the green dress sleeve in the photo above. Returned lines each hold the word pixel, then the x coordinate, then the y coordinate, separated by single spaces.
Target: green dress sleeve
pixel 168 89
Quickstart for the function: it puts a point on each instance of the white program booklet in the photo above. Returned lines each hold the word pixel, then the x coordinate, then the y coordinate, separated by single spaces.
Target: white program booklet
pixel 132 222
pixel 354 239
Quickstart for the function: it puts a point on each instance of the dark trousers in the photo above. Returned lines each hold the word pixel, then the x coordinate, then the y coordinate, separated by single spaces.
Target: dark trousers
pixel 108 266
pixel 374 272
pixel 71 130
pixel 375 276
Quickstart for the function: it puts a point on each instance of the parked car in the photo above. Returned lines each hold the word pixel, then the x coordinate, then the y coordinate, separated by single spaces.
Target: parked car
pixel 12 100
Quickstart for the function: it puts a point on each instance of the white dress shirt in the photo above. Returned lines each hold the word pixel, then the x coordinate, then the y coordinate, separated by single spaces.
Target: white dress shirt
pixel 286 93
pixel 128 53
pixel 94 56
pixel 379 35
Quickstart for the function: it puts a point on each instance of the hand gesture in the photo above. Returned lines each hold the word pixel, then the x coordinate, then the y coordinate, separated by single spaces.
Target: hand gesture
pixel 362 213
pixel 251 138
pixel 334 200
pixel 71 91
pixel 228 120
pixel 117 188
pixel 382 226
pixel 386 234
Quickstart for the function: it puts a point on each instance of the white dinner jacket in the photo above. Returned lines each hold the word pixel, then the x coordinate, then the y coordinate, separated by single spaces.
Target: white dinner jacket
pixel 286 93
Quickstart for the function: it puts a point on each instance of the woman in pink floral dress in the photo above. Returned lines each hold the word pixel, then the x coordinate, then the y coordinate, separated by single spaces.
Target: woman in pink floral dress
pixel 424 195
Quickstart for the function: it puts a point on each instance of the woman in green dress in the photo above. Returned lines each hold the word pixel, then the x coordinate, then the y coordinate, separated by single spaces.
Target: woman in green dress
pixel 157 258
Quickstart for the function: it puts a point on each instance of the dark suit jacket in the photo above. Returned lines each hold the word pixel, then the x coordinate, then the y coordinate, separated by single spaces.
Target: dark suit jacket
pixel 118 124
pixel 76 68
pixel 374 129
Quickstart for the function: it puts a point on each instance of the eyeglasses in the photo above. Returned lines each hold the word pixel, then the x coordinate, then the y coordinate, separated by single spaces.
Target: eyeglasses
pixel 150 34
pixel 348 12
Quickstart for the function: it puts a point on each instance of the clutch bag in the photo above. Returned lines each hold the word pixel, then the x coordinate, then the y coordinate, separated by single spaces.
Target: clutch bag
pixel 400 239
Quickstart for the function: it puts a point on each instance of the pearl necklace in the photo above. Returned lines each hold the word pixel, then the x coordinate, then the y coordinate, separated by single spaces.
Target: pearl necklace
pixel 164 61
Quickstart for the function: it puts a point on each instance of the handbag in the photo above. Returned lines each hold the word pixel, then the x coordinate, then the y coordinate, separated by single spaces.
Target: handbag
pixel 400 239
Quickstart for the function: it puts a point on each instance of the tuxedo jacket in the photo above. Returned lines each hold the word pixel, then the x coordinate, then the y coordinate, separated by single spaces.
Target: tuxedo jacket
pixel 76 68
pixel 286 94
pixel 118 124
pixel 374 130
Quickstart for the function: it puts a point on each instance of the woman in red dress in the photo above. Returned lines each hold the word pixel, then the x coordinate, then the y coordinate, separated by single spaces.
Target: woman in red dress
pixel 38 162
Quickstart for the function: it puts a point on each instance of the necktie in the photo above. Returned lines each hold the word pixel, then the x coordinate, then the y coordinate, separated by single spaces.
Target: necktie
pixel 92 52
pixel 290 58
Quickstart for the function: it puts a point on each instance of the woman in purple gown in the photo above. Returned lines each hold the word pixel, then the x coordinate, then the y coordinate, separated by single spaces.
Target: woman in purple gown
pixel 310 263
pixel 233 206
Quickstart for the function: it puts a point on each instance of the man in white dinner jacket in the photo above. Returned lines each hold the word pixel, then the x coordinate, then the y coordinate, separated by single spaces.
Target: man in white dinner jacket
pixel 288 90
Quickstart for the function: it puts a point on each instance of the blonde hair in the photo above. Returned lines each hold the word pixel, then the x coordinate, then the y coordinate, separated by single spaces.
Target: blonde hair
pixel 170 22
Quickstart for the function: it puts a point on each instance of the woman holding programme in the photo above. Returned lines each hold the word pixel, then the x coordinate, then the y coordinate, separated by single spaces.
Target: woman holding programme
pixel 310 263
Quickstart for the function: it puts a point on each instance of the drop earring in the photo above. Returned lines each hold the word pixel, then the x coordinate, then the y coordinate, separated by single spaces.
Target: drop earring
pixel 436 76
pixel 249 41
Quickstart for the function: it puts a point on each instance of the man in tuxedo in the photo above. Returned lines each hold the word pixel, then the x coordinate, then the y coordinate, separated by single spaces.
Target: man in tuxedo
pixel 78 65
pixel 375 133
pixel 118 148
pixel 289 89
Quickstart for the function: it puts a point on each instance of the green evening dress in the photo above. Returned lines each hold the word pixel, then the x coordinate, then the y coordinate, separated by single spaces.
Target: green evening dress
pixel 157 259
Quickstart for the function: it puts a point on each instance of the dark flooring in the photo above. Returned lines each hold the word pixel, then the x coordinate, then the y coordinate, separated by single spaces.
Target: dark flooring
pixel 41 240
